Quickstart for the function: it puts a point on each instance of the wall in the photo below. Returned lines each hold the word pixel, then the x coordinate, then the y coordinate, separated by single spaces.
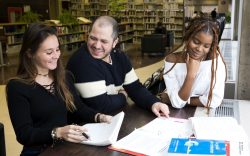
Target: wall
pixel 201 3
pixel 223 5
pixel 39 6
pixel 54 6
pixel 243 83
pixel 198 5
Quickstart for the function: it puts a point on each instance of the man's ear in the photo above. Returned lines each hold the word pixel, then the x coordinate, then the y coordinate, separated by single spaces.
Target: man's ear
pixel 115 42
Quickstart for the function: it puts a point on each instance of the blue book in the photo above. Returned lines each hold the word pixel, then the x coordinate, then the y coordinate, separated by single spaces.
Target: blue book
pixel 198 147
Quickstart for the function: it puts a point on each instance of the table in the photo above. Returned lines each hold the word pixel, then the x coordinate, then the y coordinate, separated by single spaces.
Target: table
pixel 135 117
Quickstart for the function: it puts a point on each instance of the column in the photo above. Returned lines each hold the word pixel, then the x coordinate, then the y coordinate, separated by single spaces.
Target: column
pixel 235 19
pixel 243 82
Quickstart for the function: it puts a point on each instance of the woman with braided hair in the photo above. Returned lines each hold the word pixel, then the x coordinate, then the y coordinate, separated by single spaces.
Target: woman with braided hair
pixel 196 76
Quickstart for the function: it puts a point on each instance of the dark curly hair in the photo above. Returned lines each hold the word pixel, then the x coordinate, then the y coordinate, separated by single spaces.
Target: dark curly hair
pixel 207 25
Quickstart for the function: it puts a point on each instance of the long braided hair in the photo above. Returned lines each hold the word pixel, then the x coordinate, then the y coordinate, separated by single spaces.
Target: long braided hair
pixel 207 25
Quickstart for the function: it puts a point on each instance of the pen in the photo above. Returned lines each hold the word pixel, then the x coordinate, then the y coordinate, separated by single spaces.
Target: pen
pixel 85 135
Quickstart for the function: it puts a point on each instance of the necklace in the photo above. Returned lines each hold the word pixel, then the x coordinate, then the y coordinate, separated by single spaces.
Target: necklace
pixel 45 75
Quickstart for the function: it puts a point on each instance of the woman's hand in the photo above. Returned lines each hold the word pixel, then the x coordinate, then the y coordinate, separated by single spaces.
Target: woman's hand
pixel 72 133
pixel 192 66
pixel 76 133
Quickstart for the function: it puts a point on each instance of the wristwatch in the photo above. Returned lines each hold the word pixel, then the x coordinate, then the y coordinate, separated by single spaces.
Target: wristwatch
pixel 53 133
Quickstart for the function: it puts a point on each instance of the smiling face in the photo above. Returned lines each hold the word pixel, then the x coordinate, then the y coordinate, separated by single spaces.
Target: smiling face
pixel 100 42
pixel 199 46
pixel 47 55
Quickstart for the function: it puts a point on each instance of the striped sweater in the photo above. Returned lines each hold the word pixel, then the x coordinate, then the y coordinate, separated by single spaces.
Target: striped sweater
pixel 98 82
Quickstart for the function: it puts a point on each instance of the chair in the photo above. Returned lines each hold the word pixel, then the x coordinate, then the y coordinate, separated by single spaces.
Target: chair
pixel 153 44
pixel 170 39
pixel 2 141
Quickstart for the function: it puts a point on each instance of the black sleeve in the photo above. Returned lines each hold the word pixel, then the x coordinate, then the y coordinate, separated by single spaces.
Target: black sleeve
pixel 20 115
pixel 137 92
pixel 83 112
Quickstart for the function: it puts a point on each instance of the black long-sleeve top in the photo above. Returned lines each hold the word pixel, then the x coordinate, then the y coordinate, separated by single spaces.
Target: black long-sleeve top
pixel 34 111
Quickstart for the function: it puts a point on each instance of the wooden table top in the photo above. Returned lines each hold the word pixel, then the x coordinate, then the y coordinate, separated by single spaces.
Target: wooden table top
pixel 135 117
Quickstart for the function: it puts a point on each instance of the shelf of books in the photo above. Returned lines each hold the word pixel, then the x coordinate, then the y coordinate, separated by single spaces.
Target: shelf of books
pixel 88 8
pixel 126 32
pixel 14 35
pixel 142 15
pixel 14 32
pixel 70 36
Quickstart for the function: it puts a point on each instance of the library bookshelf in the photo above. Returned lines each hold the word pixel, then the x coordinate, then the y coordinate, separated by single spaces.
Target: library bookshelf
pixel 139 16
pixel 70 36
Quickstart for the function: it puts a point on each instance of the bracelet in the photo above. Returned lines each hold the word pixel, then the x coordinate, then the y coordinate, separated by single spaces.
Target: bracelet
pixel 55 138
pixel 53 133
pixel 97 117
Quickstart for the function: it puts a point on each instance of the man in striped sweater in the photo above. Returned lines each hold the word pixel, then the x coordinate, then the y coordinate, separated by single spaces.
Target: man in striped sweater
pixel 105 77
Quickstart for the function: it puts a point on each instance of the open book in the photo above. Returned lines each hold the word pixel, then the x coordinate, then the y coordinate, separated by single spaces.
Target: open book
pixel 154 137
pixel 102 134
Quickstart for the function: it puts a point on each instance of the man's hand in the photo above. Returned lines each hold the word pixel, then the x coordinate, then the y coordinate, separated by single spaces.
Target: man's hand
pixel 160 109
pixel 164 98
pixel 123 92
pixel 105 118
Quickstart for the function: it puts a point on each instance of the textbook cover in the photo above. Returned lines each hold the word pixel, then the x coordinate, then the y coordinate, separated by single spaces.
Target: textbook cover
pixel 198 147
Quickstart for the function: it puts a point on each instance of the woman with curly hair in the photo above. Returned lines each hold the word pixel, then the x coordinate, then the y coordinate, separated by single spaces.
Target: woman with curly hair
pixel 196 76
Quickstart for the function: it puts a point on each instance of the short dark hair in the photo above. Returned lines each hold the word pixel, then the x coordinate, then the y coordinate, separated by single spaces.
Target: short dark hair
pixel 107 20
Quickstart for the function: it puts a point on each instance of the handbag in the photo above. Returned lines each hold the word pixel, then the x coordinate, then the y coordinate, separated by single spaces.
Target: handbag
pixel 155 84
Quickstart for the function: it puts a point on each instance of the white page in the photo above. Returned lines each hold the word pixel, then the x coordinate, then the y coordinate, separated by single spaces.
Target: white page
pixel 154 137
pixel 170 127
pixel 142 142
pixel 220 128
pixel 102 134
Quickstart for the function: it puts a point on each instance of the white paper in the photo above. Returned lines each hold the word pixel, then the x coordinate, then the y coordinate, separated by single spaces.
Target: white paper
pixel 102 134
pixel 222 128
pixel 219 128
pixel 154 137
pixel 170 127
pixel 142 142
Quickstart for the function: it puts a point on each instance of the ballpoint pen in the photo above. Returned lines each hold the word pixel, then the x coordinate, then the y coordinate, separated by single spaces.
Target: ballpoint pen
pixel 85 135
